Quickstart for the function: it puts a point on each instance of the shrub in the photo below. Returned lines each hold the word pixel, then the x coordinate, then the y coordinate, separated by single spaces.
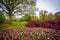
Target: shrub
pixel 54 24
pixel 2 17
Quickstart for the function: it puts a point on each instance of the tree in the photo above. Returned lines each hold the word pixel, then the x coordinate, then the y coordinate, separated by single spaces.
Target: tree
pixel 26 17
pixel 2 17
pixel 43 15
pixel 57 15
pixel 51 16
pixel 34 18
pixel 13 18
pixel 11 7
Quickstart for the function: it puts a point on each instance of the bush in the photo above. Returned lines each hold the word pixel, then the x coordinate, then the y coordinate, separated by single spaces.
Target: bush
pixel 54 24
pixel 2 17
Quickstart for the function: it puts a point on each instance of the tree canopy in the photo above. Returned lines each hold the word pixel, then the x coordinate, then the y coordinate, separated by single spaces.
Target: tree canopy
pixel 11 7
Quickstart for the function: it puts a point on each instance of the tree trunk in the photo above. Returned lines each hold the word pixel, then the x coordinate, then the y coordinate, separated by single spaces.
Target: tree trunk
pixel 10 20
pixel 10 17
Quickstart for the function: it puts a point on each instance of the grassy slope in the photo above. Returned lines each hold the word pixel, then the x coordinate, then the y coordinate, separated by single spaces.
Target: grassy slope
pixel 14 24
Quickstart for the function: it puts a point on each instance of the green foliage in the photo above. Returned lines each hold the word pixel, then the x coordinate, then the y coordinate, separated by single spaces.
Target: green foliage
pixel 43 15
pixel 14 24
pixel 2 17
pixel 51 16
pixel 34 18
pixel 26 17
pixel 57 15
pixel 16 6
pixel 13 18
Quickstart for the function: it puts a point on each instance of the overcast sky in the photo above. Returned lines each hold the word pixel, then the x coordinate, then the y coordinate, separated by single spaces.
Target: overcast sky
pixel 49 5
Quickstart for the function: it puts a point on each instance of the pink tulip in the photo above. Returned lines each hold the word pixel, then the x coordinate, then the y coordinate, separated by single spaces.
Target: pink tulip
pixel 48 38
pixel 4 38
pixel 31 34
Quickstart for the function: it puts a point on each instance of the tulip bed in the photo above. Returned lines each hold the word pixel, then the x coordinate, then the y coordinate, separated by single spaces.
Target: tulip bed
pixel 53 24
pixel 25 33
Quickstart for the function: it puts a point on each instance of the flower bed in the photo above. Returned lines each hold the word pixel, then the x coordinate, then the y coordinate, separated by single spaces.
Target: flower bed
pixel 53 24
pixel 25 33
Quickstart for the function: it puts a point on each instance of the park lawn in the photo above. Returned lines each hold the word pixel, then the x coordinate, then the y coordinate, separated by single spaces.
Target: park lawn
pixel 14 24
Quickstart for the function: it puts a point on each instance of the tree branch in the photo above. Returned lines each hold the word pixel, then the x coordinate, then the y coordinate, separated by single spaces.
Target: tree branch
pixel 5 5
pixel 3 9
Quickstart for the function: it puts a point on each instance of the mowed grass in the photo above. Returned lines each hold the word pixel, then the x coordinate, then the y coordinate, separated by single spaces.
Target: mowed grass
pixel 14 24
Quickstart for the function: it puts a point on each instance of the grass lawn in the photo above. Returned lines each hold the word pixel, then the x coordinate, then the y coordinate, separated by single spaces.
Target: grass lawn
pixel 14 24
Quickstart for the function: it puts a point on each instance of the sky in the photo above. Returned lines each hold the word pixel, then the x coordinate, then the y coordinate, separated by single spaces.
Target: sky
pixel 49 5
